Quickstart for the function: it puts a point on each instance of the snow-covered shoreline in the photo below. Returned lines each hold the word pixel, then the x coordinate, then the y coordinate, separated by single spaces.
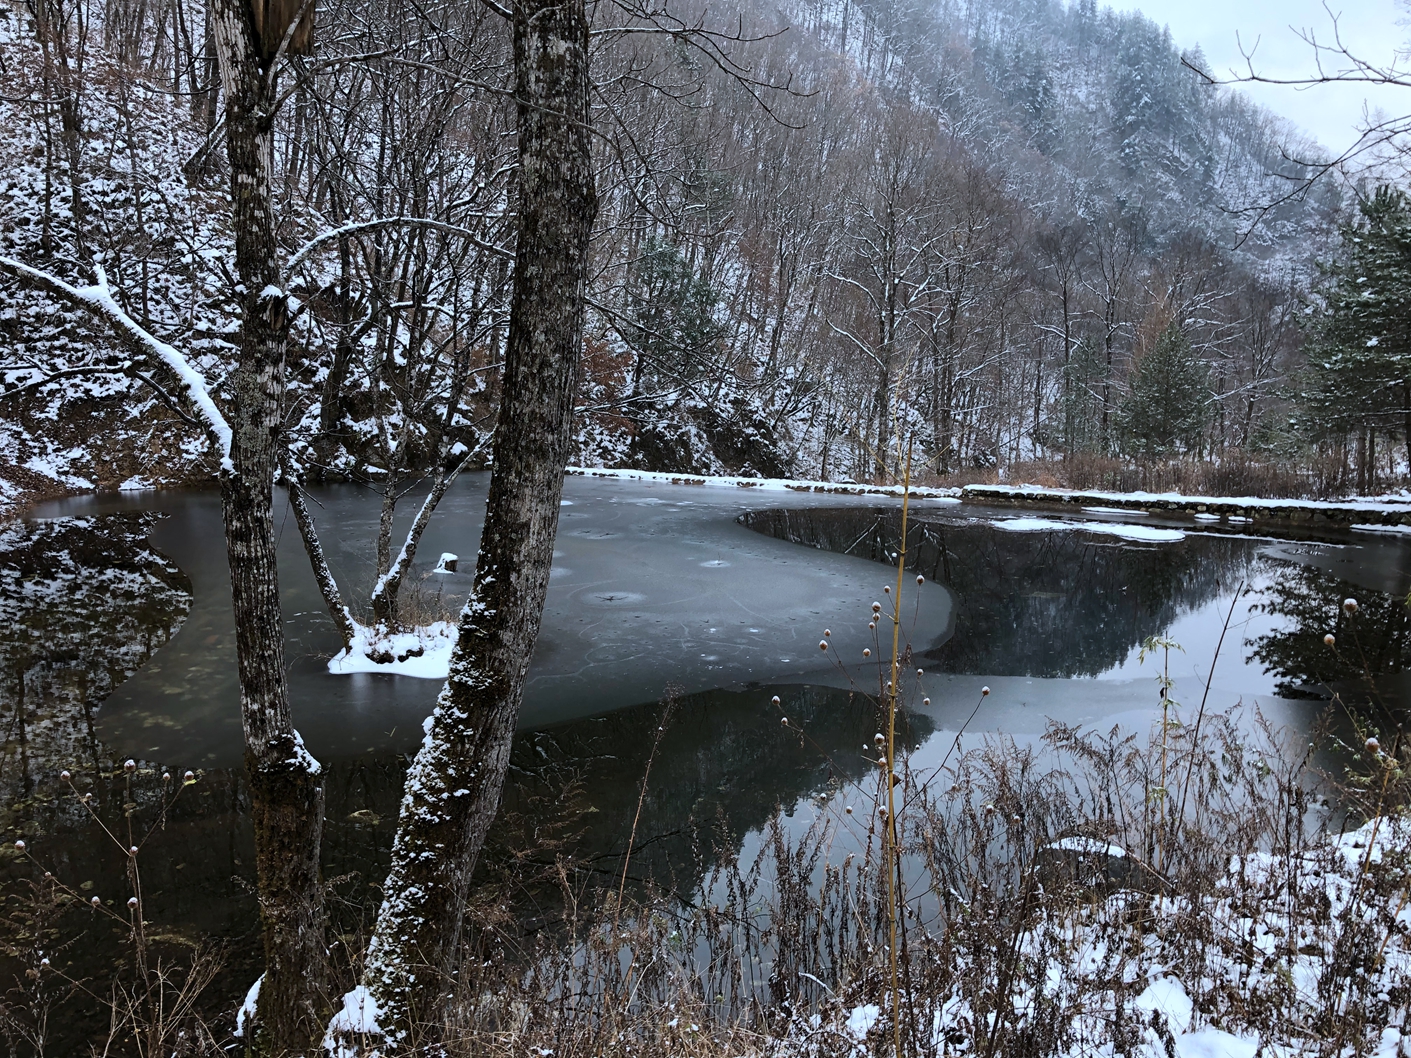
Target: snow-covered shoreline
pixel 1387 509
pixel 838 488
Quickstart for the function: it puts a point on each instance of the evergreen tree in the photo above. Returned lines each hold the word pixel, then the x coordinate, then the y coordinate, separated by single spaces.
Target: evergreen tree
pixel 675 310
pixel 1166 407
pixel 1359 368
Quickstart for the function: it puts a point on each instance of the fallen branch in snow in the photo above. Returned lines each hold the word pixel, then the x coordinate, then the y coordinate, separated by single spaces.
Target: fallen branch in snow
pixel 55 376
pixel 98 299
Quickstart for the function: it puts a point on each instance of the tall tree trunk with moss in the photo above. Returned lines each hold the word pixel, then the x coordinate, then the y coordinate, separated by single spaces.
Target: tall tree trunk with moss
pixel 285 787
pixel 453 786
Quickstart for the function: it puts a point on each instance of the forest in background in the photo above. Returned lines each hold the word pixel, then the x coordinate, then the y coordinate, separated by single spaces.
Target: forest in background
pixel 1014 232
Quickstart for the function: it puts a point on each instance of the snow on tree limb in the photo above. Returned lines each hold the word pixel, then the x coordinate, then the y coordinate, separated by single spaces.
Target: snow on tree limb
pixel 392 222
pixel 388 583
pixel 99 300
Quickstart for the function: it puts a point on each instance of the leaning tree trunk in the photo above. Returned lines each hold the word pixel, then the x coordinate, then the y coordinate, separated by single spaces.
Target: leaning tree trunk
pixel 453 786
pixel 285 789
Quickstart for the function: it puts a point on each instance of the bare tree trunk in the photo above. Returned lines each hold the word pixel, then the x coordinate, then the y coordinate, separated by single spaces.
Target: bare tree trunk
pixel 318 561
pixel 285 788
pixel 453 786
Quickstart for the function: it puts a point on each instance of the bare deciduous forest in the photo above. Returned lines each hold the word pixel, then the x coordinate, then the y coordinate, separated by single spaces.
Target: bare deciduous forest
pixel 1002 229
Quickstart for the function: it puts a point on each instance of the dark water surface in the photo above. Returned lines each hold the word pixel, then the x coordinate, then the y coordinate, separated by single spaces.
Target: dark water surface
pixel 116 644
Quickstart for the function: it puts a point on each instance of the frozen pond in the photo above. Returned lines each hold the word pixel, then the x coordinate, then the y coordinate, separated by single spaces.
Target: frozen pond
pixel 653 587
pixel 660 587
pixel 718 595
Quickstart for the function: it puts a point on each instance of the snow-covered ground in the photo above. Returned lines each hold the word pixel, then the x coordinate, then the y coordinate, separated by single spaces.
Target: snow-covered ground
pixel 1276 971
pixel 833 488
pixel 423 652
pixel 1398 501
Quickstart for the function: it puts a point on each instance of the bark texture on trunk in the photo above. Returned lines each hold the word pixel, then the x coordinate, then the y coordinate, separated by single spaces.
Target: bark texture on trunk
pixel 453 787
pixel 285 787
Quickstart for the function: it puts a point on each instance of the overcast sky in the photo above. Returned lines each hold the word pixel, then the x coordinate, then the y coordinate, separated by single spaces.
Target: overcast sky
pixel 1371 28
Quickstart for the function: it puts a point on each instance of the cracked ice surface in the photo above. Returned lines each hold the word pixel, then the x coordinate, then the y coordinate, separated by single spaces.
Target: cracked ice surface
pixel 654 585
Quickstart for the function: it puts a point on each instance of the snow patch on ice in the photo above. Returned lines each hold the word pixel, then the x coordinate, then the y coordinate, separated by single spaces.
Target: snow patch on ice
pixel 424 652
pixel 1146 533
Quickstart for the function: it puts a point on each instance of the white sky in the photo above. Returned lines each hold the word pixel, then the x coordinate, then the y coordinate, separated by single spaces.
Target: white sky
pixel 1372 29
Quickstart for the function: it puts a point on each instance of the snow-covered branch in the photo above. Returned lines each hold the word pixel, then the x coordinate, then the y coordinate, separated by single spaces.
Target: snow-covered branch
pixel 392 222
pixel 98 299
pixel 384 594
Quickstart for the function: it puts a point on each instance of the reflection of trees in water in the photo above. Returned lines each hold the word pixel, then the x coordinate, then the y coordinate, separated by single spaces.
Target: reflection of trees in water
pixel 1371 644
pixel 724 764
pixel 85 602
pixel 1050 604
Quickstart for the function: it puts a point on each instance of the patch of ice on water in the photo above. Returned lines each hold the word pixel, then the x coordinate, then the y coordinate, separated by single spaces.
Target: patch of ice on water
pixel 1124 511
pixel 1147 533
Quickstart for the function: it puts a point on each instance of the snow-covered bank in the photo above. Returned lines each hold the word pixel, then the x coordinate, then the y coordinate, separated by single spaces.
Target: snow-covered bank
pixel 1296 944
pixel 1386 510
pixel 837 488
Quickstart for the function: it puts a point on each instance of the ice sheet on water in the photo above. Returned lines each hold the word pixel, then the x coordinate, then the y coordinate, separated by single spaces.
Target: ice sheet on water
pixel 654 585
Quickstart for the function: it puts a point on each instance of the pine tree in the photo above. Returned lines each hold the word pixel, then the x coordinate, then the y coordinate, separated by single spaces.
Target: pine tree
pixel 1359 369
pixel 1166 408
pixel 675 311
